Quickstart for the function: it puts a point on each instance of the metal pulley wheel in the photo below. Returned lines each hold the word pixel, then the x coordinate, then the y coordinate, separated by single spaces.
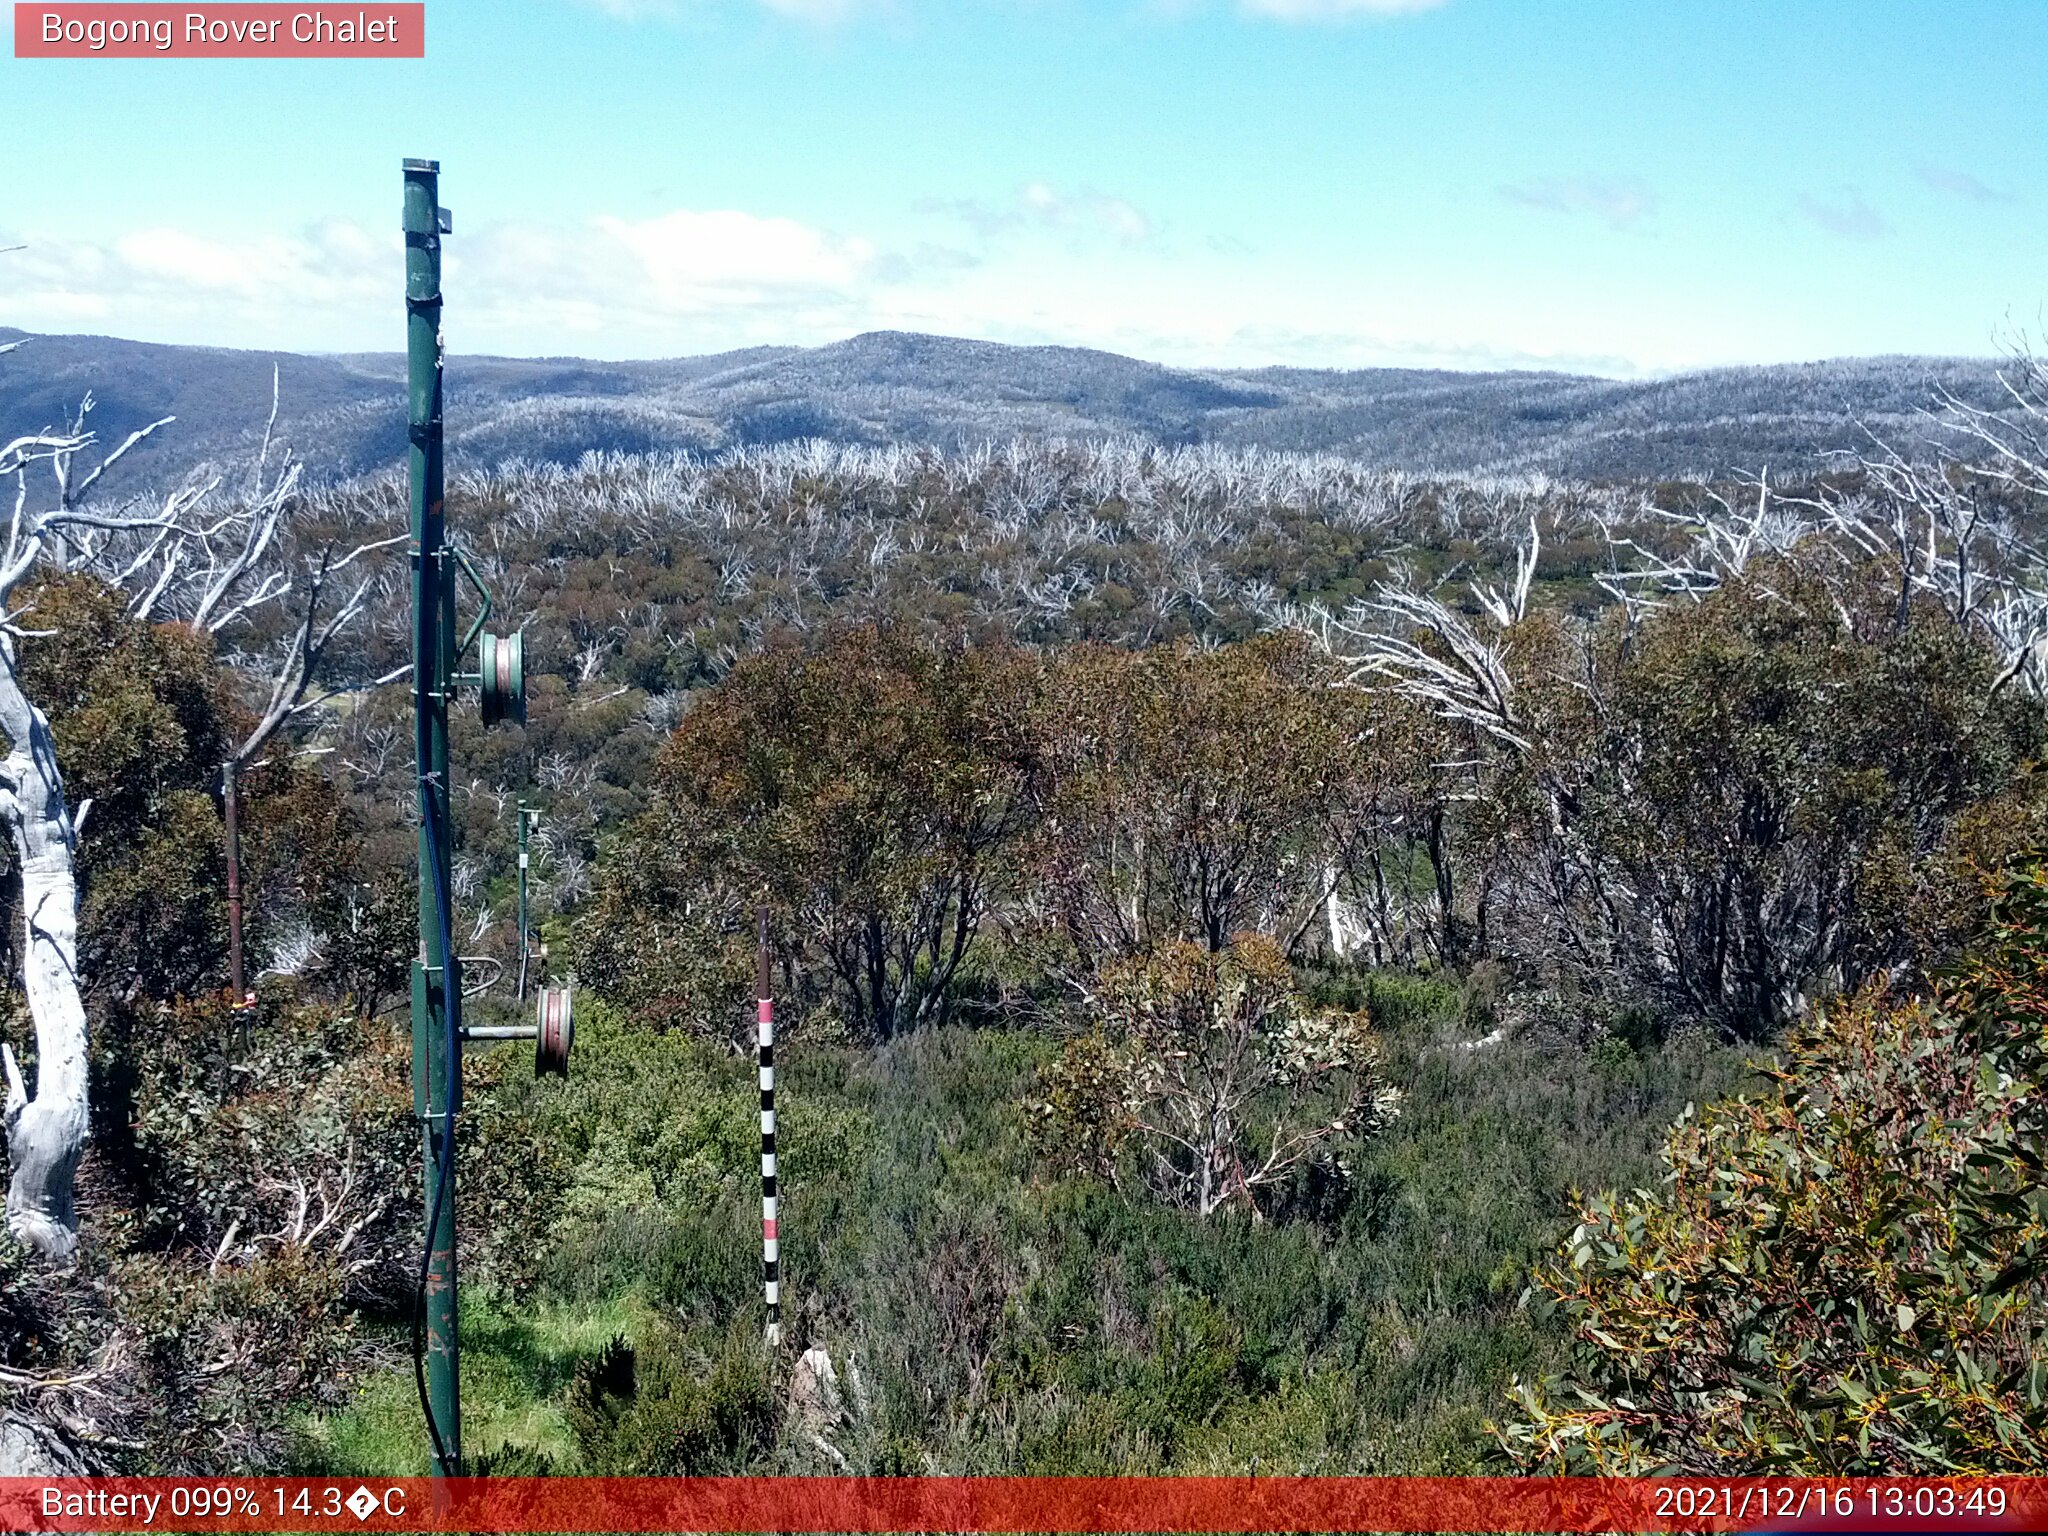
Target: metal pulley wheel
pixel 502 663
pixel 556 1033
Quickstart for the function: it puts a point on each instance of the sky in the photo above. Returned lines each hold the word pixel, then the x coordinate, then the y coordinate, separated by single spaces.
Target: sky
pixel 1621 187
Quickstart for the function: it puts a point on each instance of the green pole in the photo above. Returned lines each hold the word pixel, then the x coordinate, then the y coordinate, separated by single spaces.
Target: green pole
pixel 436 1048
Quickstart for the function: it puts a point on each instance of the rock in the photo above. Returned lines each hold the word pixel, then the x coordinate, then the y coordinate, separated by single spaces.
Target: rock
pixel 31 1448
pixel 814 1399
pixel 814 1391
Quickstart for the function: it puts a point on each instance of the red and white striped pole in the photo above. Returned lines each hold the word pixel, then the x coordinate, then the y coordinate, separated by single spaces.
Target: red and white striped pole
pixel 771 1279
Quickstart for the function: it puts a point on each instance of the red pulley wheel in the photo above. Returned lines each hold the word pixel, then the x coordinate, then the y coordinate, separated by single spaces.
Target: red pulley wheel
pixel 556 1033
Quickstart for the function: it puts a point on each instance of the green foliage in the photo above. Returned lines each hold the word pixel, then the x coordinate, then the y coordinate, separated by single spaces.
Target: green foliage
pixel 513 1173
pixel 35 1330
pixel 1080 1112
pixel 656 940
pixel 1756 798
pixel 221 1358
pixel 885 794
pixel 1844 1275
pixel 1213 1070
pixel 244 1172
pixel 294 1119
pixel 1734 805
pixel 519 1358
pixel 647 1121
pixel 142 724
pixel 1000 1321
pixel 259 1207
pixel 859 788
pixel 190 1359
pixel 371 940
pixel 1722 809
pixel 143 718
pixel 1181 794
pixel 655 1411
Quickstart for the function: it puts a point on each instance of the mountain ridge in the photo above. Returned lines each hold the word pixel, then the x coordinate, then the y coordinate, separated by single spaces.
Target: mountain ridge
pixel 344 412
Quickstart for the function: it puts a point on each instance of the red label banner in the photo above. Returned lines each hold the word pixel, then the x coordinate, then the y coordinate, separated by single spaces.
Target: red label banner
pixel 1024 1504
pixel 238 31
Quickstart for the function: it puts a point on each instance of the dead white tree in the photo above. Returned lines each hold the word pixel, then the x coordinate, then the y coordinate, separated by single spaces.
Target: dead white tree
pixel 1413 643
pixel 182 557
pixel 1940 513
pixel 45 1132
pixel 1945 520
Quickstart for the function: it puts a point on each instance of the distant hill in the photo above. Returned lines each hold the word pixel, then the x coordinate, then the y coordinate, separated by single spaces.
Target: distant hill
pixel 345 414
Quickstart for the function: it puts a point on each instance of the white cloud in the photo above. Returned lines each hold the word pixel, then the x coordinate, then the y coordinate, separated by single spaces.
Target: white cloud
pixel 1844 213
pixel 692 281
pixel 1618 203
pixel 334 286
pixel 1041 205
pixel 157 272
pixel 1111 215
pixel 1960 184
pixel 1333 10
pixel 688 253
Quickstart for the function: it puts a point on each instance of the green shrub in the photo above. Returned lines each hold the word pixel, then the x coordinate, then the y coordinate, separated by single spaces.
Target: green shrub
pixel 1844 1275
pixel 1218 1075
pixel 654 1410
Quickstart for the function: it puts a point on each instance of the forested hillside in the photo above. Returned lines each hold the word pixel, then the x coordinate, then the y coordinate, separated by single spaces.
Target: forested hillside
pixel 1281 959
pixel 345 414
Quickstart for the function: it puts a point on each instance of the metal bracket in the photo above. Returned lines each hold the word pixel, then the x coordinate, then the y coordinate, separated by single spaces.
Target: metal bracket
pixel 483 615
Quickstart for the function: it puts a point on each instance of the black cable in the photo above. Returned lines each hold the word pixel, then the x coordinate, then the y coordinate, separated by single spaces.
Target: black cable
pixel 419 1316
pixel 436 851
pixel 444 1178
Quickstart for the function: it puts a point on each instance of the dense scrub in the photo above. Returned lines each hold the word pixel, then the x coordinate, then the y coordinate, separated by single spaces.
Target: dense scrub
pixel 244 1186
pixel 1010 1264
pixel 641 581
pixel 1000 1317
pixel 1386 826
pixel 1712 815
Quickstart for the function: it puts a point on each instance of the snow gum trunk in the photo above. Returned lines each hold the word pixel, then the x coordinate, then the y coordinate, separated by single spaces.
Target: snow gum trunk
pixel 45 1134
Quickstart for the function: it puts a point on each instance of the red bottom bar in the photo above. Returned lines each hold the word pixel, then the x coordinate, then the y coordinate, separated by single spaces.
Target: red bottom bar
pixel 1024 1504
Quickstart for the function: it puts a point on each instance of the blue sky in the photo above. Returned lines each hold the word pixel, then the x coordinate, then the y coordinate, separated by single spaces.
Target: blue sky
pixel 1585 184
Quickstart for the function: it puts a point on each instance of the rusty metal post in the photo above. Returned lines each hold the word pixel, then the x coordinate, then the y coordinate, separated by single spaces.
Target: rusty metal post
pixel 229 795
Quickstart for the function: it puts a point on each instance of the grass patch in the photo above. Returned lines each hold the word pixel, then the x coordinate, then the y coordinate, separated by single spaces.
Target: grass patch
pixel 517 1363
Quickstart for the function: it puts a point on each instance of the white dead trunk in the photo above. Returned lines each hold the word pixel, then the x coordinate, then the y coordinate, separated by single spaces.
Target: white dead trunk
pixel 179 559
pixel 46 1133
pixel 1340 923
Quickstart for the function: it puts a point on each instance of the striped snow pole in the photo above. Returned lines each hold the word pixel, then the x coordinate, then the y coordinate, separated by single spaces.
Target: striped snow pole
pixel 771 1279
